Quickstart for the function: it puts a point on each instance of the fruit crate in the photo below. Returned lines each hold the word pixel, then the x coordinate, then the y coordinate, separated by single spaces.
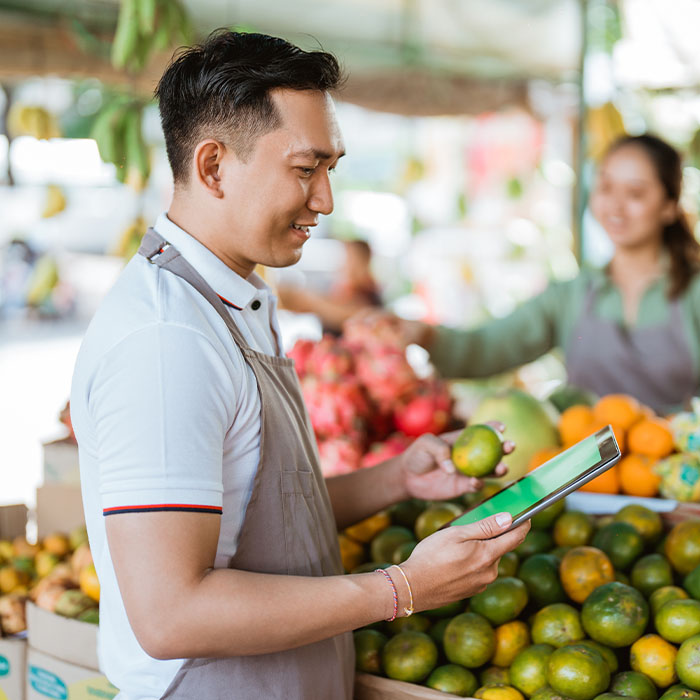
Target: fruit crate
pixel 369 687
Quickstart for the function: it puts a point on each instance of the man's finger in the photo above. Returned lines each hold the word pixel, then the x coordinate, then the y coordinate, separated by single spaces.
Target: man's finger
pixel 508 447
pixel 501 469
pixel 496 425
pixel 510 540
pixel 485 529
pixel 451 436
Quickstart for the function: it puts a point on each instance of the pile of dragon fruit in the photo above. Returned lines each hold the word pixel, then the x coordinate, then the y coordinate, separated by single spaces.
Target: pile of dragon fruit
pixel 364 399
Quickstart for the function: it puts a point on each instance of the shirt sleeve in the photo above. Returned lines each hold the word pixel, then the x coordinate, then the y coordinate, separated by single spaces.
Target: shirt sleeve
pixel 161 402
pixel 523 336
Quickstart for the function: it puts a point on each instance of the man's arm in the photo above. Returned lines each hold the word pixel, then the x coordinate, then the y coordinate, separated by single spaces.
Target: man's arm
pixel 179 606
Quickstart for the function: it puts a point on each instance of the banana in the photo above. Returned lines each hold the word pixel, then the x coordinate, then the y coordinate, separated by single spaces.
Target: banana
pixel 43 279
pixel 130 238
pixel 137 165
pixel 55 201
pixel 127 34
pixel 146 10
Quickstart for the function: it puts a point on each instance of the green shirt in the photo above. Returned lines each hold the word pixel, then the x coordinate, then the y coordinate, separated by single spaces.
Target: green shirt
pixel 547 321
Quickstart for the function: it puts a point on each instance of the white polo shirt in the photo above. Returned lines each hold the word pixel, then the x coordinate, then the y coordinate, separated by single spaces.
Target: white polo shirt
pixel 167 416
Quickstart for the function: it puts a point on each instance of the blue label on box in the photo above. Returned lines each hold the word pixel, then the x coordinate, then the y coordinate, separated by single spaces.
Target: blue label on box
pixel 4 666
pixel 47 683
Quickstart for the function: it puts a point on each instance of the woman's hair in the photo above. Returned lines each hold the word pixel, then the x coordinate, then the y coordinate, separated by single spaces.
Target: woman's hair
pixel 678 238
pixel 221 89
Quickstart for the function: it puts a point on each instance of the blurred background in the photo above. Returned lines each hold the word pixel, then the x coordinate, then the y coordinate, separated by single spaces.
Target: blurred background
pixel 472 130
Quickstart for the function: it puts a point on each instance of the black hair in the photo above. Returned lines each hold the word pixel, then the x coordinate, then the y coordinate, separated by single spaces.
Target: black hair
pixel 220 89
pixel 678 238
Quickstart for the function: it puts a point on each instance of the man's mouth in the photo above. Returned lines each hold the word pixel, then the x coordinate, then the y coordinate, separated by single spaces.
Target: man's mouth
pixel 304 229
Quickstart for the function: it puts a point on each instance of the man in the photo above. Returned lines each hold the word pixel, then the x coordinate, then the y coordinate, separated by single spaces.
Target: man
pixel 212 531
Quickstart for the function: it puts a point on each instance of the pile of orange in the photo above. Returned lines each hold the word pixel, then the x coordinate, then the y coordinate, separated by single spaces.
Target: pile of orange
pixel 643 438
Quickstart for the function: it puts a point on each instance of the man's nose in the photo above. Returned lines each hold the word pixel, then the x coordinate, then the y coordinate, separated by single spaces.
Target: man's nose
pixel 321 195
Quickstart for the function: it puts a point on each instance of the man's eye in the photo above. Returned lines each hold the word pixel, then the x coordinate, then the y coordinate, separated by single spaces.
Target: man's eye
pixel 307 171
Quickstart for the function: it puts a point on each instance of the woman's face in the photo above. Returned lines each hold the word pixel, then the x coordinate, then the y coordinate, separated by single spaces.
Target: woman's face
pixel 629 201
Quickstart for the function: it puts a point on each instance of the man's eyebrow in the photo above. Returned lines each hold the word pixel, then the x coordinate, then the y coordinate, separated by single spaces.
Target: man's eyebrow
pixel 315 154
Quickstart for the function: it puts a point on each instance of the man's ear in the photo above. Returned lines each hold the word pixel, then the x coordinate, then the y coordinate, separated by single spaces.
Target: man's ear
pixel 207 165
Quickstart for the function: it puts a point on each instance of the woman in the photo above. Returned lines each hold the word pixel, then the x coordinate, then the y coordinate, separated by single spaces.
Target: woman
pixel 633 327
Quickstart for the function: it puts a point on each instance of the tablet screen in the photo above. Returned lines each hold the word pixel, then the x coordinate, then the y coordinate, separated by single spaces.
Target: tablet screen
pixel 533 487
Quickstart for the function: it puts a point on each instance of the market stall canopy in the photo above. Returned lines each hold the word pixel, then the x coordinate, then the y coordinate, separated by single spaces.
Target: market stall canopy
pixel 407 56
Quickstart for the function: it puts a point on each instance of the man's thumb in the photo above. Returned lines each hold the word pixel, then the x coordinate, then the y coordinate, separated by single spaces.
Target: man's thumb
pixel 487 528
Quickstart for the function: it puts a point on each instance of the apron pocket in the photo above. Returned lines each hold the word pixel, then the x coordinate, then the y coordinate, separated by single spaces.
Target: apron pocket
pixel 298 482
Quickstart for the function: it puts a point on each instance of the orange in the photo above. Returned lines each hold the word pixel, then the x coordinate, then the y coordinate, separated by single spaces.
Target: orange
pixel 654 657
pixel 352 554
pixel 574 424
pixel 607 482
pixel 637 477
pixel 682 546
pixel 542 456
pixel 477 450
pixel 651 437
pixel 409 656
pixel 511 639
pixel 619 409
pixel 366 529
pixel 582 570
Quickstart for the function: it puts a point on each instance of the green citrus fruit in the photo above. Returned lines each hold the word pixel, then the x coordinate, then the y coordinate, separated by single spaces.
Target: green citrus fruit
pixel 437 631
pixel 540 574
pixel 409 656
pixel 621 542
pixel 577 672
pixel 501 601
pixel 678 620
pixel 477 450
pixel 386 542
pixel 607 653
pixel 494 675
pixel 403 552
pixel 508 564
pixel 511 638
pixel 560 552
pixel 632 684
pixel 691 583
pixel 688 662
pixel 557 624
pixel 664 595
pixel 680 692
pixel 535 542
pixel 615 614
pixel 434 517
pixel 573 529
pixel 651 572
pixel 548 693
pixel 407 512
pixel 647 523
pixel 469 640
pixel 683 546
pixel 368 650
pixel 414 623
pixel 545 518
pixel 528 672
pixel 454 679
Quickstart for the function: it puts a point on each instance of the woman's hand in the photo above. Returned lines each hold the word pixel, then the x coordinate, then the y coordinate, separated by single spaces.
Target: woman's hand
pixel 428 470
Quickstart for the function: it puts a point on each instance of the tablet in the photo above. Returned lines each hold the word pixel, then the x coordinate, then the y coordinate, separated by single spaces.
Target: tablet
pixel 551 481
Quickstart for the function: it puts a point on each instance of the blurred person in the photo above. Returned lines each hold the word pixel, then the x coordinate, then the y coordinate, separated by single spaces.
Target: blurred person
pixel 632 327
pixel 212 530
pixel 355 289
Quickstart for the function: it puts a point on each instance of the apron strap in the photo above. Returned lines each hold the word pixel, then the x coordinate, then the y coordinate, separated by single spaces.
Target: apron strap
pixel 159 252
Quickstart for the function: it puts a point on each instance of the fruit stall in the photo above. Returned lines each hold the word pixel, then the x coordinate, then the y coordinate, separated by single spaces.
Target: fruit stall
pixel 472 152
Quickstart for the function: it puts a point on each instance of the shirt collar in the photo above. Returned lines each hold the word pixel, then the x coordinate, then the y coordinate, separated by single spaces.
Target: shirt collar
pixel 221 278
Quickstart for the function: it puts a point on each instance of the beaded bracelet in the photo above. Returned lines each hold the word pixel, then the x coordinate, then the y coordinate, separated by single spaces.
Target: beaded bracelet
pixel 409 610
pixel 393 590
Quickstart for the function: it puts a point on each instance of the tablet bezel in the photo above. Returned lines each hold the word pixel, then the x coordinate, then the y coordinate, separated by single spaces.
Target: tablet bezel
pixel 609 455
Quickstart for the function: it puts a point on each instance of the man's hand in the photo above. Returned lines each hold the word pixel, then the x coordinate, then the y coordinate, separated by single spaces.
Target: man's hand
pixel 428 471
pixel 459 561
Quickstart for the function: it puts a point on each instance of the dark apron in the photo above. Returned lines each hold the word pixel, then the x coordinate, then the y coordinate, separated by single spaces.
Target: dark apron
pixel 289 528
pixel 652 363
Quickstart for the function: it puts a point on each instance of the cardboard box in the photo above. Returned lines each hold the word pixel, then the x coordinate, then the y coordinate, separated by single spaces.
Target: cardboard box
pixel 13 657
pixel 59 508
pixel 61 462
pixel 369 687
pixel 48 677
pixel 62 638
pixel 13 521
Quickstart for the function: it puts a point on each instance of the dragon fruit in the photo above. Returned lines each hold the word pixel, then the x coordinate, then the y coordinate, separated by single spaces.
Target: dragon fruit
pixel 426 411
pixel 330 359
pixel 300 353
pixel 379 452
pixel 340 455
pixel 386 375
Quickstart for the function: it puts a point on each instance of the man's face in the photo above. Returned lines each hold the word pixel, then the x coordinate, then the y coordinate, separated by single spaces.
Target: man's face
pixel 277 195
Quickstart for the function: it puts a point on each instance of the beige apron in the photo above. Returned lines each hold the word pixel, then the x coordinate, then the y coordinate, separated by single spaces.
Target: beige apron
pixel 651 363
pixel 288 528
